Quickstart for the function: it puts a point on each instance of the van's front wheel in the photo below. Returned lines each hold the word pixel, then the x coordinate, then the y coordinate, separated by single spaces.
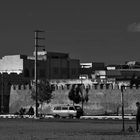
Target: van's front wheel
pixel 56 116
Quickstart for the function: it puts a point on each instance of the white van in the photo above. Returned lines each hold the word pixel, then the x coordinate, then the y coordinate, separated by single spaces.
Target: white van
pixel 64 111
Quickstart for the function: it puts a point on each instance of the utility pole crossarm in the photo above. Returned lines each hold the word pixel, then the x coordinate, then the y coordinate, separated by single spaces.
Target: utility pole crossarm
pixel 40 38
pixel 40 46
pixel 40 31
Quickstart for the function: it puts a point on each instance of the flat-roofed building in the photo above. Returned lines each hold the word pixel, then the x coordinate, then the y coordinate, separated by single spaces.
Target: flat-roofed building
pixel 93 70
pixel 19 70
pixel 51 65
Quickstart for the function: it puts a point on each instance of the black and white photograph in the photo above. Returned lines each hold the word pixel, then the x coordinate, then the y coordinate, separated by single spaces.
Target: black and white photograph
pixel 70 70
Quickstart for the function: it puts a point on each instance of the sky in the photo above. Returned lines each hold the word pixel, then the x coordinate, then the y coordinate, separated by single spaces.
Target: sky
pixel 90 30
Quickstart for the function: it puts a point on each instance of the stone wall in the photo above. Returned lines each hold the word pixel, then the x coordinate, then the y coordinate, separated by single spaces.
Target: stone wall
pixel 7 83
pixel 100 100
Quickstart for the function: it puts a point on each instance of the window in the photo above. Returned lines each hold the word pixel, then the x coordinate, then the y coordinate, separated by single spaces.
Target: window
pixel 57 108
pixel 64 108
pixel 71 108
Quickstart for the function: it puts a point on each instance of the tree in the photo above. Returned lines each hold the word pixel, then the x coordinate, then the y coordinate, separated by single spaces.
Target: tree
pixel 44 91
pixel 86 96
pixel 76 94
pixel 71 94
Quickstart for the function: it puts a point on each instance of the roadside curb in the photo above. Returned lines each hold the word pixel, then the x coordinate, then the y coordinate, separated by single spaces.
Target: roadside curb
pixel 10 116
pixel 107 117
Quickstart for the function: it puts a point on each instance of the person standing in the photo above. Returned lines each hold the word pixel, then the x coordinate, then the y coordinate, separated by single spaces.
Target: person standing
pixel 138 116
pixel 31 111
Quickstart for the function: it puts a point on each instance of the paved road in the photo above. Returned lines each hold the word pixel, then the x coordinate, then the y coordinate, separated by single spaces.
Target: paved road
pixel 43 129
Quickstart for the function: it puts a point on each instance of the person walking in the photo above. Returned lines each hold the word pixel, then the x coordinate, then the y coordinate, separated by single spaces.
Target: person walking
pixel 138 116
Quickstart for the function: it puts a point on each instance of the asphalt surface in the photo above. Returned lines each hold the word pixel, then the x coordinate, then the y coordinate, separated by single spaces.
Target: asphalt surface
pixel 71 122
pixel 43 129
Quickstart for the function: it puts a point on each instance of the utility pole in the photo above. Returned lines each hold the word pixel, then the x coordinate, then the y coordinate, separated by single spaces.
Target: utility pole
pixel 82 90
pixel 2 93
pixel 122 101
pixel 37 38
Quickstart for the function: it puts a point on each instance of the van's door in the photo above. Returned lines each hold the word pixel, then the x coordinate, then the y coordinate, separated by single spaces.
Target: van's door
pixel 57 110
pixel 72 111
pixel 64 111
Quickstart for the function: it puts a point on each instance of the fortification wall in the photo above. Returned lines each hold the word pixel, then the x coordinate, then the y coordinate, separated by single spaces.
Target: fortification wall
pixel 8 82
pixel 100 100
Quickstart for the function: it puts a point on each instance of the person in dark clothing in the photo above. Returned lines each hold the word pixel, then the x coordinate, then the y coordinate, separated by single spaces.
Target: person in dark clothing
pixel 138 116
pixel 79 111
pixel 31 111
pixel 22 112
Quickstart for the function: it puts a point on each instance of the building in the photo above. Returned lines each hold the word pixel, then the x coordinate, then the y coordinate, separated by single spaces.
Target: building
pixel 51 65
pixel 100 73
pixel 94 70
pixel 61 66
pixel 19 70
pixel 85 70
pixel 123 72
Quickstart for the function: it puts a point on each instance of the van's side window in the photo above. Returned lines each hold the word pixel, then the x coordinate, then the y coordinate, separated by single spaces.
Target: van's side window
pixel 57 108
pixel 64 108
pixel 71 108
